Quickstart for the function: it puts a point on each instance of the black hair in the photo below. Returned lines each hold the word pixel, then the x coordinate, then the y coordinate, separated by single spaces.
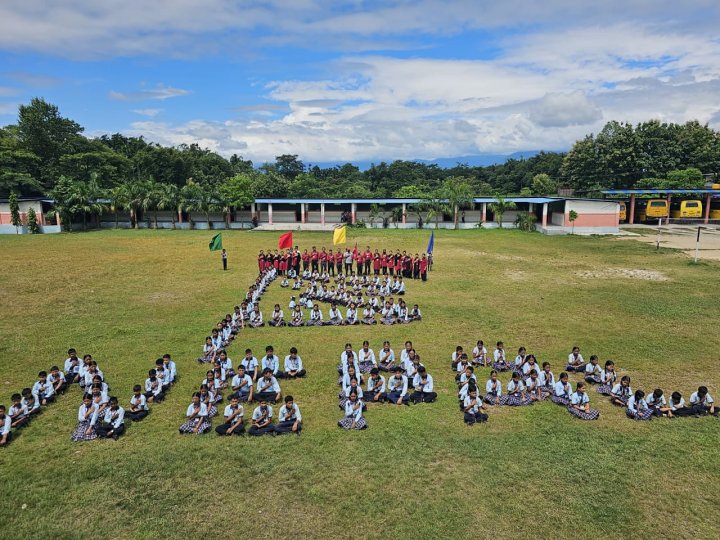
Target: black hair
pixel 657 393
pixel 293 350
pixel 639 394
pixel 15 397
pixel 288 399
pixel 42 374
pixel 137 388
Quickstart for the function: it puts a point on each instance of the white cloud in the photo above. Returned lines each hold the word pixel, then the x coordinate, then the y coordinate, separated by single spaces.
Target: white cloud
pixel 8 109
pixel 150 113
pixel 560 110
pixel 159 92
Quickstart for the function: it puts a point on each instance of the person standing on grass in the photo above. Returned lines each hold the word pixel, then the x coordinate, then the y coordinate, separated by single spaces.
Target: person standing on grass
pixel 223 254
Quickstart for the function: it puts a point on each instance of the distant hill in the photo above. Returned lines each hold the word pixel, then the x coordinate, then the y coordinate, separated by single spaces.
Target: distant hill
pixel 479 160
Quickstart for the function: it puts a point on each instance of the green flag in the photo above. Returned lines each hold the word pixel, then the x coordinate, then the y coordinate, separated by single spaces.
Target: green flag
pixel 216 242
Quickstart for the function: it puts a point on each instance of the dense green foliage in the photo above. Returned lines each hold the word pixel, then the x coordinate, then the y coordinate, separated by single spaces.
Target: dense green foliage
pixel 46 153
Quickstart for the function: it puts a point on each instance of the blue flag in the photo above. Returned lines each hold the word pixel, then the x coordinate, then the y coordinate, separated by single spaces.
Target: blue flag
pixel 431 243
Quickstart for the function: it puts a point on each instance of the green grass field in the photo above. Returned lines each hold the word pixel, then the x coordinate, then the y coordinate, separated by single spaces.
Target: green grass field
pixel 127 297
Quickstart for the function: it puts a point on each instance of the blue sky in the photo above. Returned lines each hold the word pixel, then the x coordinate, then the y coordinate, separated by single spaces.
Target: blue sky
pixel 362 80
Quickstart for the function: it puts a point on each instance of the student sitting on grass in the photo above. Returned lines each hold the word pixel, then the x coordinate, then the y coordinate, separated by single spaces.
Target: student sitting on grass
pixel 208 397
pixel 72 367
pixel 479 354
pixel 250 365
pixel 5 427
pixel 209 351
pixel 268 389
pixel 353 414
pixel 607 379
pixel 43 391
pixel 473 407
pixel 242 385
pixel 114 421
pixel 656 401
pixel 256 318
pixel 576 363
pixel 563 391
pixel 580 404
pixel 30 403
pixel 316 316
pixel 637 407
pixel 547 380
pixel 138 405
pixel 533 388
pixel 500 362
pixel 293 366
pixel 197 417
pixel 387 358
pixel 593 371
pixel 262 420
pixel 18 413
pixel 366 358
pixel 226 365
pixel 398 388
pixel 621 392
pixel 677 405
pixel 86 429
pixel 423 385
pixel 233 424
pixel 516 391
pixel 153 388
pixel 493 390
pixel 57 379
pixel 271 361
pixel 376 387
pixel 289 418
pixel 277 317
pixel 702 403
pixel 296 319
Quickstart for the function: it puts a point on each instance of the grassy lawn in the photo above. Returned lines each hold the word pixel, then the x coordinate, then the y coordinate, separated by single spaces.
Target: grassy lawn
pixel 127 297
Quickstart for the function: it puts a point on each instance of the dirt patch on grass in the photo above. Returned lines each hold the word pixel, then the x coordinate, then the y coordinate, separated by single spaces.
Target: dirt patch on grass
pixel 162 297
pixel 628 273
pixel 516 275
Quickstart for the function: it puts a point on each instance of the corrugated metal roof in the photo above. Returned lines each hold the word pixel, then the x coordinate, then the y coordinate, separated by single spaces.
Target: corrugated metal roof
pixel 657 191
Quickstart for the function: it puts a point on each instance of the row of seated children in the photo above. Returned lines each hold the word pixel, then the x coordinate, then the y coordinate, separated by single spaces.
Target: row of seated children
pixel 230 325
pixel 335 317
pixel 316 287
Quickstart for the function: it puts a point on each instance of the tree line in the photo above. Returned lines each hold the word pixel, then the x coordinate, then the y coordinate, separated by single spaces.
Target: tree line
pixel 47 154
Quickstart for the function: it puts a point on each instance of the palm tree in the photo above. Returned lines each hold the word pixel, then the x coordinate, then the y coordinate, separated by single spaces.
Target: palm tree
pixel 135 195
pixel 149 200
pixel 118 197
pixel 86 200
pixel 458 194
pixel 168 198
pixel 499 207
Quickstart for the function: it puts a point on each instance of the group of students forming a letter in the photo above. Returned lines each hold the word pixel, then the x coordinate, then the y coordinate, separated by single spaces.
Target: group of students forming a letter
pixel 531 383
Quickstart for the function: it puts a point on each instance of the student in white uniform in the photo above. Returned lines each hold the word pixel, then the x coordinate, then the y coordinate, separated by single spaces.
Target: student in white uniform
pixel 467 379
pixel 563 391
pixel 29 402
pixel 547 379
pixel 580 404
pixel 43 391
pixel 293 366
pixel 316 316
pixel 576 363
pixel 677 405
pixel 593 371
pixel 267 389
pixel 397 388
pixel 473 407
pixel 479 354
pixel 423 385
pixel 18 413
pixel 171 368
pixel 57 379
pixel 533 388
pixel 637 407
pixel 197 417
pixel 387 358
pixel 366 358
pixel 493 390
pixel 607 378
pixel 368 316
pixel 415 314
pixel 250 364
pixel 351 316
pixel 296 319
pixel 621 392
pixel 289 418
pixel 516 392
pixel 656 401
pixel 72 367
pixel 353 414
pixel 153 388
pixel 335 318
pixel 375 387
pixel 271 361
pixel 262 420
pixel 86 429
pixel 5 427
pixel 242 385
pixel 701 402
pixel 277 317
pixel 138 405
pixel 500 362
pixel 114 422
pixel 256 318
pixel 456 356
pixel 234 418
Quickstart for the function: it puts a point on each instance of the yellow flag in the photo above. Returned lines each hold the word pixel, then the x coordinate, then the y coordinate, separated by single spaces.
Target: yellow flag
pixel 339 235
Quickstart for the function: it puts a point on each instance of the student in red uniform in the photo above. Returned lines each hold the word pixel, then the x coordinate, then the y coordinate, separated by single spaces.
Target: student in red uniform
pixel 323 260
pixel 305 259
pixel 384 262
pixel 359 258
pixel 314 258
pixel 377 263
pixel 367 259
pixel 398 264
pixel 339 261
pixel 331 263
pixel 423 267
pixel 261 261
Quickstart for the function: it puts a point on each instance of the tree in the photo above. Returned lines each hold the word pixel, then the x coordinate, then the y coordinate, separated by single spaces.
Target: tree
pixel 572 216
pixel 289 166
pixel 15 212
pixel 17 165
pixel 458 194
pixel 270 185
pixel 168 198
pixel 63 194
pixel 376 211
pixel 397 215
pixel 542 184
pixel 201 198
pixel 499 207
pixel 150 200
pixel 32 221
pixel 118 197
pixel 135 194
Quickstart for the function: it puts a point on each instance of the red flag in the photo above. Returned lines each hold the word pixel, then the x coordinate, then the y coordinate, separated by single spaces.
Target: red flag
pixel 285 241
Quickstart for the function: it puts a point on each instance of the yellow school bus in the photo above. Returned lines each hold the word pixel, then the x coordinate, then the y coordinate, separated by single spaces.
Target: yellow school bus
pixel 686 209
pixel 623 211
pixel 653 209
pixel 715 210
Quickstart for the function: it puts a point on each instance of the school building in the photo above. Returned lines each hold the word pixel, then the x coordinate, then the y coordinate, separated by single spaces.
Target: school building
pixel 43 211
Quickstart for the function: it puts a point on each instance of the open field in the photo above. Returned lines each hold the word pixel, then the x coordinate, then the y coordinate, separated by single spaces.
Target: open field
pixel 127 297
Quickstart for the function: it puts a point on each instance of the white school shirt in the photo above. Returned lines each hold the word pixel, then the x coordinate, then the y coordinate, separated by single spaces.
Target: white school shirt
pixel 476 352
pixel 316 315
pixel 652 402
pixel 415 313
pixel 53 379
pixel 608 377
pixel 374 386
pixel 347 389
pixel 89 377
pixel 411 369
pixel 334 314
pixel 5 425
pixel 257 413
pixel 695 400
pixel 45 388
pixel 475 408
pixel 229 411
pixel 256 317
pixel 297 315
pixel 82 411
pixel 497 391
pixel 277 315
pixel 519 360
pixel 295 414
pixel 390 356
pixel 155 388
pixel 273 363
pixel 561 390
pixel 354 414
pixel 274 386
pixel 401 288
pixel 461 366
pixel 171 370
pixel 191 410
pixel 35 404
pixel 351 315
pixel 618 390
pixel 577 399
pixel 237 379
pixel 309 303
pixel 675 406
pixel 115 418
pixel 292 304
pixel 225 366
pixel 15 411
pixel 635 406
pixel 217 341
pixel 293 365
pixel 572 360
pixel 531 385
pixel 249 365
pixel 226 332
pixel 417 381
pixel 498 354
pixel 70 368
pixel 513 386
pixel 368 356
pixel 403 314
pixel 139 401
pixel 386 312
pixel 591 370
pixel 396 384
pixel 546 379
pixel 404 355
pixel 368 312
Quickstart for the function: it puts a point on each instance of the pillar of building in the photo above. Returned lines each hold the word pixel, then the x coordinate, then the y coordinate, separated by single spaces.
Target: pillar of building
pixel 708 199
pixel 270 213
pixel 179 214
pixel 302 212
pixel 252 210
pixel 483 216
pixel 544 215
pixel 353 213
pixel 404 218
pixel 322 213
pixel 631 217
